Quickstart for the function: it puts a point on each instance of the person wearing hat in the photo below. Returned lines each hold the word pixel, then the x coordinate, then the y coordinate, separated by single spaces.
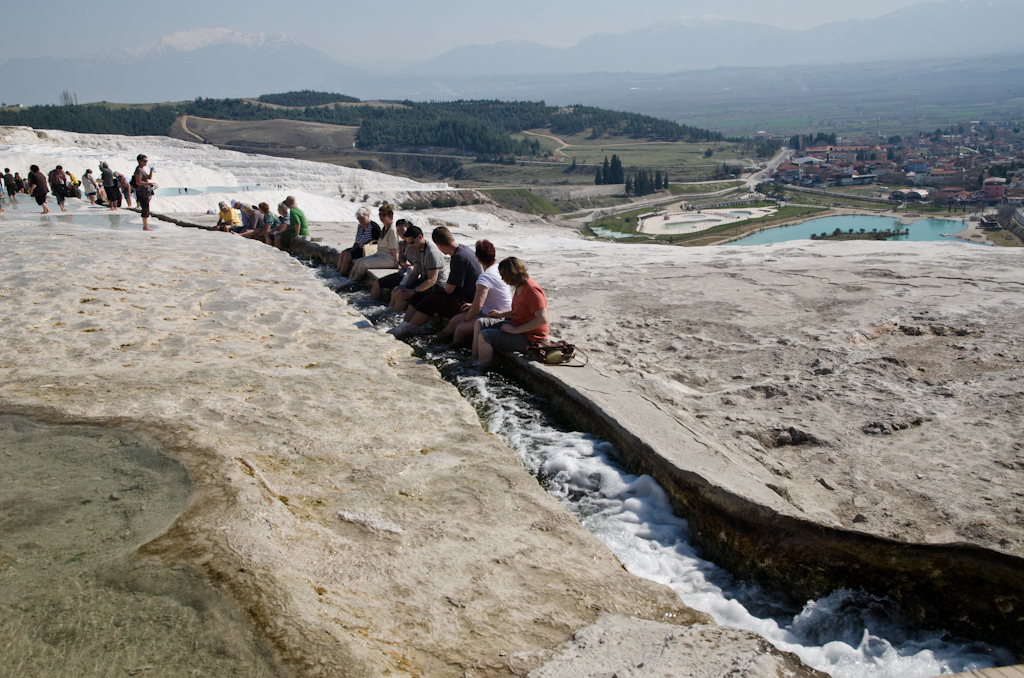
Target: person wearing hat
pixel 228 218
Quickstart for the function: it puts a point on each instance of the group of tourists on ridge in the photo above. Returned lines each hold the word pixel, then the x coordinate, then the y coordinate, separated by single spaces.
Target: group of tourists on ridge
pixel 257 223
pixel 491 305
pixel 113 190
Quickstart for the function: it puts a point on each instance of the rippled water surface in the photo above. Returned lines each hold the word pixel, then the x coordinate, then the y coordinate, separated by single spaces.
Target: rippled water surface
pixel 75 503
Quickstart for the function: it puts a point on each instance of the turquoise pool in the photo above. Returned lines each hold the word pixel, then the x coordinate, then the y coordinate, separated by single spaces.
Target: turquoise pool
pixel 920 230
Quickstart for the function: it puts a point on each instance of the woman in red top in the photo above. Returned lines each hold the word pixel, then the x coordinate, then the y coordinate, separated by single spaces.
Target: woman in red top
pixel 513 330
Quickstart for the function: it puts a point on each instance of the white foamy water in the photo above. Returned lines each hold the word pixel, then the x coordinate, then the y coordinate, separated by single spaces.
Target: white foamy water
pixel 847 634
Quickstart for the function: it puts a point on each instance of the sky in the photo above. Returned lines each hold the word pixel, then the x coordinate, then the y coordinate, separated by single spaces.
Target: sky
pixel 386 29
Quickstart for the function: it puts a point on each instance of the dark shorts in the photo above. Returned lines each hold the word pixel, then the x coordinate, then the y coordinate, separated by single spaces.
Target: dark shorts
pixel 40 199
pixel 391 281
pixel 142 196
pixel 11 190
pixel 445 305
pixel 356 252
pixel 58 193
pixel 490 331
pixel 417 298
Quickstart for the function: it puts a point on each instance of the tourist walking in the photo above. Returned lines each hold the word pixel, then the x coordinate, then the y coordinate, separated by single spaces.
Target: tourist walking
pixel 9 184
pixel 109 185
pixel 19 183
pixel 38 188
pixel 143 181
pixel 58 186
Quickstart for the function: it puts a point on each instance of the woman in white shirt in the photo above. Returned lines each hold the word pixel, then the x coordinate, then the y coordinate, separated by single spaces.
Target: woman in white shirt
pixel 492 294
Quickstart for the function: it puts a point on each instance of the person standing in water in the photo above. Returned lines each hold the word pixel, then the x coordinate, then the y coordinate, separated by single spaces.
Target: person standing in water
pixel 143 182
pixel 9 184
pixel 109 185
pixel 39 189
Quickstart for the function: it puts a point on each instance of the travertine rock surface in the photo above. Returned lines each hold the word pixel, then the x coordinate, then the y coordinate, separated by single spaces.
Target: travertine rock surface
pixel 346 497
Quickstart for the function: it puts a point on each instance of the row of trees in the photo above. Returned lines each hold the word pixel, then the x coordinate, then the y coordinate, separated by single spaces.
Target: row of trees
pixel 306 97
pixel 92 119
pixel 610 172
pixel 802 141
pixel 645 182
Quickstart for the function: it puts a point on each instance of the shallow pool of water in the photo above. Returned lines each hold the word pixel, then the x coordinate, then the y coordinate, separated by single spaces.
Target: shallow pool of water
pixel 75 503
pixel 920 230
pixel 199 190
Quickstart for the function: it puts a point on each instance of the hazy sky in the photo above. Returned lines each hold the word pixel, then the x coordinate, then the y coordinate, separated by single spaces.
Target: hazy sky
pixel 384 29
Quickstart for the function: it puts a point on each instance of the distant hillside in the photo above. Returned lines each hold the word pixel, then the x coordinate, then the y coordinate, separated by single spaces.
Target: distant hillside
pixel 483 127
pixel 955 28
pixel 479 126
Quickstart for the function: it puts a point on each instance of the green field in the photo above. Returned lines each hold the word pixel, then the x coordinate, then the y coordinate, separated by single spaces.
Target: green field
pixel 704 187
pixel 522 200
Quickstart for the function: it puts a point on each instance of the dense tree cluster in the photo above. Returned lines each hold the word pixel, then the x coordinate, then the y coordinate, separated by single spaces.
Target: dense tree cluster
pixel 646 182
pixel 610 172
pixel 93 119
pixel 767 148
pixel 447 132
pixel 801 141
pixel 306 97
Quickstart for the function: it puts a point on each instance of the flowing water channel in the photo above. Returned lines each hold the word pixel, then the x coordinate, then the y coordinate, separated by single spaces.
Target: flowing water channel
pixel 847 634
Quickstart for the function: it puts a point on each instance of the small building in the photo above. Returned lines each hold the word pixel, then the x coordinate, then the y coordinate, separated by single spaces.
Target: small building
pixel 995 188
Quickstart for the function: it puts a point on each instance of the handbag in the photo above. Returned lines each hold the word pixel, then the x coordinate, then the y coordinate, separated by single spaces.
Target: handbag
pixel 554 352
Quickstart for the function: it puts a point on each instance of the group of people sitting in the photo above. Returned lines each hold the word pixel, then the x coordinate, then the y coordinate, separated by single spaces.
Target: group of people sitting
pixel 493 306
pixel 257 223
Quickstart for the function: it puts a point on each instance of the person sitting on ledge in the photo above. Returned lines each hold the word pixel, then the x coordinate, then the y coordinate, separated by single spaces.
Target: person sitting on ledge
pixel 368 231
pixel 297 227
pixel 513 330
pixel 406 260
pixel 228 218
pixel 492 294
pixel 459 288
pixel 257 229
pixel 387 247
pixel 428 275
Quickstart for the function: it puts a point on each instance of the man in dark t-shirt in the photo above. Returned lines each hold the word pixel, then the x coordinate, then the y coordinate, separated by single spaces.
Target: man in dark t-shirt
pixel 109 185
pixel 9 184
pixel 143 185
pixel 459 289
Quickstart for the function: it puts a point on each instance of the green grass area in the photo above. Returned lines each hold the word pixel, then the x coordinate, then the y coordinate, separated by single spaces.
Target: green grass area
pixel 621 223
pixel 714 187
pixel 833 201
pixel 657 155
pixel 522 200
pixel 1005 239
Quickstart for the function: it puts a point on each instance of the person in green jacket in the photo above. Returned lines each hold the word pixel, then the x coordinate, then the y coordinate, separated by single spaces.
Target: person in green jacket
pixel 297 225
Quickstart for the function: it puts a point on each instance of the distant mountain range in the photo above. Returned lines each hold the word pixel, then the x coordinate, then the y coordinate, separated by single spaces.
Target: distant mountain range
pixel 955 28
pixel 222 63
pixel 203 62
